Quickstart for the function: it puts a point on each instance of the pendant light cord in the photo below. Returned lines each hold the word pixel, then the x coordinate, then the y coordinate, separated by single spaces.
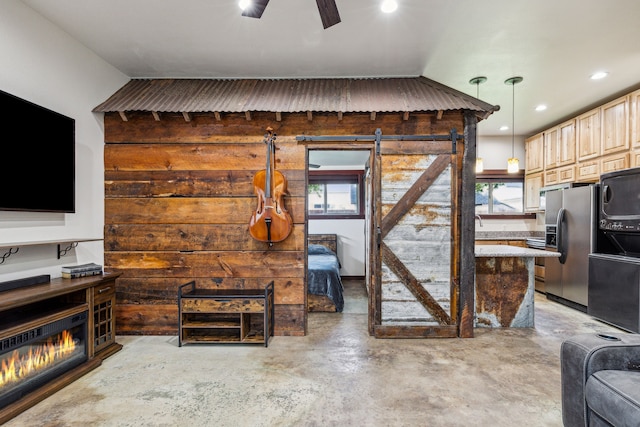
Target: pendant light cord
pixel 513 117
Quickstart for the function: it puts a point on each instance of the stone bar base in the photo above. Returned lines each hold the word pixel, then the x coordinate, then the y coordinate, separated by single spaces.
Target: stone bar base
pixel 505 289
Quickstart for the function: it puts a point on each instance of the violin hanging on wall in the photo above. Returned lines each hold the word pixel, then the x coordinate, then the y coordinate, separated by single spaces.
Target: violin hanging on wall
pixel 270 222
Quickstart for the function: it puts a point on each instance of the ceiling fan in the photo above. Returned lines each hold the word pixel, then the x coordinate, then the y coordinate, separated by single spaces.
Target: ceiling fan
pixel 327 8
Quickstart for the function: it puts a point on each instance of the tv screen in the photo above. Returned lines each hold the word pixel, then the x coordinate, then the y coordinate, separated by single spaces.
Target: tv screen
pixel 38 157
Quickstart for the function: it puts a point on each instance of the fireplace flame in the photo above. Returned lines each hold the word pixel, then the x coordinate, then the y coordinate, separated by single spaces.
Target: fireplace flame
pixel 17 367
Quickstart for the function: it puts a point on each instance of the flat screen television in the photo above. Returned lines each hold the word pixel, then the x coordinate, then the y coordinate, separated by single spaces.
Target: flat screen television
pixel 37 157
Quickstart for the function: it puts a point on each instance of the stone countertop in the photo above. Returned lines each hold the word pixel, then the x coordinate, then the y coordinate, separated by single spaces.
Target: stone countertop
pixel 511 251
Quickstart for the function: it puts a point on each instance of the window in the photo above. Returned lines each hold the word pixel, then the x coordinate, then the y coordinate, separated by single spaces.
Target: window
pixel 335 194
pixel 498 192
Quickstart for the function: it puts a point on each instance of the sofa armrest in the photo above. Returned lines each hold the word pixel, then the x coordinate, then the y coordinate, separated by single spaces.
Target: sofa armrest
pixel 584 354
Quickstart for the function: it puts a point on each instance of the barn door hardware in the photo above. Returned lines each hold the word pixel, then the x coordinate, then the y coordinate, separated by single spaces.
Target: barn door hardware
pixel 377 138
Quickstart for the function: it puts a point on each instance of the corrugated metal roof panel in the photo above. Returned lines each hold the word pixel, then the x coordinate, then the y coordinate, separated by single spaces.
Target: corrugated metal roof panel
pixel 290 95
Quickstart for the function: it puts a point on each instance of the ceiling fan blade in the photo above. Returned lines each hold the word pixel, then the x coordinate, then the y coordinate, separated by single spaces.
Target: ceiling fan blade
pixel 255 9
pixel 328 12
pixel 314 166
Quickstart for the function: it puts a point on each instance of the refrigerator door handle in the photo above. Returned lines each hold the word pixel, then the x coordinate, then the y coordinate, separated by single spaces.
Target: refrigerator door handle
pixel 560 237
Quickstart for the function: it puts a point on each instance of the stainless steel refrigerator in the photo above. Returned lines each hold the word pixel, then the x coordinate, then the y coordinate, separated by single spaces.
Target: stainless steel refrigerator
pixel 571 218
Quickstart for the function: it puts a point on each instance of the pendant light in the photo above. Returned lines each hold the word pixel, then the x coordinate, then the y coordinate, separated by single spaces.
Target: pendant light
pixel 513 164
pixel 477 81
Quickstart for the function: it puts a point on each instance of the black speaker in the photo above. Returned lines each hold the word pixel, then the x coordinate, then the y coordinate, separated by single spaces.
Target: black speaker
pixel 27 281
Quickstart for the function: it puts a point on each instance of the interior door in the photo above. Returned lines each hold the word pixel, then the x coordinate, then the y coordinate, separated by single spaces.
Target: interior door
pixel 415 219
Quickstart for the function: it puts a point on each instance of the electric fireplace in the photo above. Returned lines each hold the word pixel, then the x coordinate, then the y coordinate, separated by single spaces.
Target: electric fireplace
pixel 52 332
pixel 39 349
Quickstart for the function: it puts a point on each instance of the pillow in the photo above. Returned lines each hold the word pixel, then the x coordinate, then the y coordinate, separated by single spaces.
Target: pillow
pixel 320 250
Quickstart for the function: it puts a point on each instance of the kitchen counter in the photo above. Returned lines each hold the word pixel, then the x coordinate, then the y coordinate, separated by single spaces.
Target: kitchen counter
pixel 505 285
pixel 511 251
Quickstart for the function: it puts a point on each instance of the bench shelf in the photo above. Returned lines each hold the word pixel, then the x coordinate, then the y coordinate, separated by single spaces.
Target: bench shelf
pixel 225 316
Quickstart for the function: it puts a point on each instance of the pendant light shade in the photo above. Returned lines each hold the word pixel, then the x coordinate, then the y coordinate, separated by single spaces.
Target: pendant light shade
pixel 513 164
pixel 477 81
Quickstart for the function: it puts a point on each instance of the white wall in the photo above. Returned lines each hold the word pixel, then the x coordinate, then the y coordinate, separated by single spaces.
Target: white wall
pixel 44 65
pixel 351 249
pixel 495 150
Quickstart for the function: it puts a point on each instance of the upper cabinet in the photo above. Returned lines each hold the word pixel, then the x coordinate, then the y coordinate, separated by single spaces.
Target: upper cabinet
pixel 588 134
pixel 534 153
pixel 634 101
pixel 560 145
pixel 634 123
pixel 567 143
pixel 551 148
pixel 615 126
pixel 602 140
pixel 532 185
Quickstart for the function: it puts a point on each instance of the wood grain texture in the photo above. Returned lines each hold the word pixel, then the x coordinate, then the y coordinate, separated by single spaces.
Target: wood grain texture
pixel 179 195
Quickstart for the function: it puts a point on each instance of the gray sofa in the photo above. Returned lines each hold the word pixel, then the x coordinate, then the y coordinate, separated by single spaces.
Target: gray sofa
pixel 601 380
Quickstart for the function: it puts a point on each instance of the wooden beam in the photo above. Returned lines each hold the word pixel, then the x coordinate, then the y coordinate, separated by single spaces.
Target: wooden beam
pixel 217 115
pixel 440 113
pixel 278 116
pixel 187 116
pixel 123 116
pixel 156 116
pixel 247 115
pixel 373 115
pixel 405 116
pixel 309 115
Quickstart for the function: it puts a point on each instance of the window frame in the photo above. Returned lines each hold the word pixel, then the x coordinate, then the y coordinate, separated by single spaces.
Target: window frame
pixel 338 177
pixel 501 175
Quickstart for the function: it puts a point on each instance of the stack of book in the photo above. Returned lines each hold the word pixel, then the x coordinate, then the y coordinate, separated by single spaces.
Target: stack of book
pixel 82 270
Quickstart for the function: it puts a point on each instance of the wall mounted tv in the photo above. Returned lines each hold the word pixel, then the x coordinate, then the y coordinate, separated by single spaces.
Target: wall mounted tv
pixel 37 159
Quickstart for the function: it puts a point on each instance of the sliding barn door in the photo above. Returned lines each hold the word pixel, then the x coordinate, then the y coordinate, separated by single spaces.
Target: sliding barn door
pixel 415 186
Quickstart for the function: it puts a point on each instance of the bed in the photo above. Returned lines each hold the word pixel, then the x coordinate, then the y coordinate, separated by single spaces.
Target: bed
pixel 325 290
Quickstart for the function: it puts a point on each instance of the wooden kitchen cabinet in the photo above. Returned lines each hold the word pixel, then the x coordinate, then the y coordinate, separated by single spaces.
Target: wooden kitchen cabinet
pixel 614 162
pixel 634 122
pixel 560 145
pixel 588 171
pixel 532 185
pixel 634 161
pixel 560 175
pixel 588 135
pixel 534 153
pixel 615 126
pixel 551 155
pixel 567 143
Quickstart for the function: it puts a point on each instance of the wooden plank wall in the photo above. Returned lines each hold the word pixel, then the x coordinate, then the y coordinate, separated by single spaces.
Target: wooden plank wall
pixel 179 196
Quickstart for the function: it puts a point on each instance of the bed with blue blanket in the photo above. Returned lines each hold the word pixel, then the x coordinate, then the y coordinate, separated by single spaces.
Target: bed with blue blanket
pixel 324 285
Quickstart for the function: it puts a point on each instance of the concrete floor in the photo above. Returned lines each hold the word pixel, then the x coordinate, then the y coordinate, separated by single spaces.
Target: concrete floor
pixel 336 375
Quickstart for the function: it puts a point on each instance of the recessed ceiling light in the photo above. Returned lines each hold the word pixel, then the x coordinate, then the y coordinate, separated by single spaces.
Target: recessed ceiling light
pixel 244 4
pixel 504 127
pixel 599 75
pixel 541 107
pixel 389 6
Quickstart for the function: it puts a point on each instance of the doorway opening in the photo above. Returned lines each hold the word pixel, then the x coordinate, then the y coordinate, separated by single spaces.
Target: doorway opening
pixel 338 203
